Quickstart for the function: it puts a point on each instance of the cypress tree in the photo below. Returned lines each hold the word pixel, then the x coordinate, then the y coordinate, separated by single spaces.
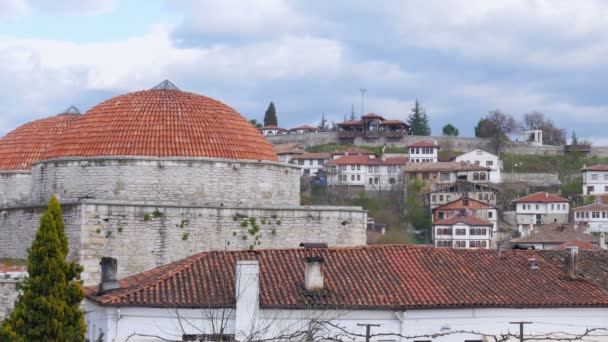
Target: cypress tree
pixel 323 125
pixel 419 121
pixel 48 307
pixel 270 117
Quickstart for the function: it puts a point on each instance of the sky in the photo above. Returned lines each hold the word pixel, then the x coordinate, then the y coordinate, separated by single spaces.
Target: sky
pixel 460 58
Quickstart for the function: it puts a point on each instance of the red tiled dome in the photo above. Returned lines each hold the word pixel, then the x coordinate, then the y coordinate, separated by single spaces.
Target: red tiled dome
pixel 27 144
pixel 162 122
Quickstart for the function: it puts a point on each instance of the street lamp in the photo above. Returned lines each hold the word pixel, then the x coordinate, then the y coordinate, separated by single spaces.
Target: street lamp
pixel 363 91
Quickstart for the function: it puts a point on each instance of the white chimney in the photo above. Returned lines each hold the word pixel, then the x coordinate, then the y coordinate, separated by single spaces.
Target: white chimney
pixel 572 261
pixel 247 294
pixel 603 241
pixel 532 264
pixel 313 273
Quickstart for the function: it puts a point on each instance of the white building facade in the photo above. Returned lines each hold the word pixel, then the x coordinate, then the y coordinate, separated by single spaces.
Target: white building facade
pixel 594 216
pixel 311 163
pixel 374 174
pixel 423 152
pixel 540 208
pixel 484 158
pixel 595 180
pixel 462 232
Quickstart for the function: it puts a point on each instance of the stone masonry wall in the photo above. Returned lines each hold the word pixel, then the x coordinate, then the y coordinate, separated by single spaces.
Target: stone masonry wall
pixel 15 188
pixel 8 294
pixel 191 181
pixel 533 179
pixel 143 237
pixel 18 227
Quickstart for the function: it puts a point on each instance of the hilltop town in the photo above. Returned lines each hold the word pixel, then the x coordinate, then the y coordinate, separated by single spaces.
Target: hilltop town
pixel 187 208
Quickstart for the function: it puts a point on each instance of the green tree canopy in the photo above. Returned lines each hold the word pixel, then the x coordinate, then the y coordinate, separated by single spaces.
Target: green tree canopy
pixel 418 120
pixel 497 126
pixel 270 117
pixel 48 308
pixel 255 123
pixel 323 125
pixel 450 130
pixel 574 138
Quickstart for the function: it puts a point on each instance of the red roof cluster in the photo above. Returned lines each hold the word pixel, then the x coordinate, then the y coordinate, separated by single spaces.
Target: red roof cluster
pixel 353 151
pixel 305 127
pixel 460 204
pixel 372 116
pixel 541 197
pixel 597 206
pixel 366 160
pixel 162 123
pixel 582 245
pixel 466 219
pixel 373 277
pixel 29 142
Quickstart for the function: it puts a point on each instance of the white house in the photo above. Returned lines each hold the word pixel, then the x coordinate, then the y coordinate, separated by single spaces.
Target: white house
pixel 423 152
pixel 272 130
pixel 540 208
pixel 462 231
pixel 469 206
pixel 438 175
pixel 595 180
pixel 450 192
pixel 353 151
pixel 304 129
pixel 484 158
pixel 287 152
pixel 384 293
pixel 311 163
pixel 374 174
pixel 594 216
pixel 533 137
pixel 553 235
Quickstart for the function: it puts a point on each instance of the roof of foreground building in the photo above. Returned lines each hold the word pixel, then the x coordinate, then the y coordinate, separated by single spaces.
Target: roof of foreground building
pixel 162 122
pixel 374 277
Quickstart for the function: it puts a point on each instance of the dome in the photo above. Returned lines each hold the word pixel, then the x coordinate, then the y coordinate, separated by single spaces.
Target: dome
pixel 162 122
pixel 28 143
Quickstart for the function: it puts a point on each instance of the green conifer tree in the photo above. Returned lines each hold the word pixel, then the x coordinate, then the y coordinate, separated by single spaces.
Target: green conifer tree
pixel 419 121
pixel 450 130
pixel 323 125
pixel 48 308
pixel 270 117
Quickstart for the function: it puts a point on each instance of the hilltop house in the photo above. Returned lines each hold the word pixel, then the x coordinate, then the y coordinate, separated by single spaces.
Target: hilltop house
pixel 311 163
pixel 371 127
pixel 462 230
pixel 468 206
pixel 448 193
pixel 406 293
pixel 484 158
pixel 304 129
pixel 540 208
pixel 423 152
pixel 594 216
pixel 272 130
pixel 373 174
pixel 595 180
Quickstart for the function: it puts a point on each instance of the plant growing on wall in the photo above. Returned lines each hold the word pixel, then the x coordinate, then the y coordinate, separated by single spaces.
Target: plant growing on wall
pixel 48 308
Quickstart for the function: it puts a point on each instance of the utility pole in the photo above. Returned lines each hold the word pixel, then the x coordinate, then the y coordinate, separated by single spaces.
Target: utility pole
pixel 521 329
pixel 363 91
pixel 368 330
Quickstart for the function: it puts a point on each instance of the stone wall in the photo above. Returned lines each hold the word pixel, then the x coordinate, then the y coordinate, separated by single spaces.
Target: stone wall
pixel 532 179
pixel 15 188
pixel 18 227
pixel 143 237
pixel 185 181
pixel 8 292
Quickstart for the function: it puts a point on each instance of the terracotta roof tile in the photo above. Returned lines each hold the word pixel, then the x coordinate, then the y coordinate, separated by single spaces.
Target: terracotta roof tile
pixel 350 123
pixel 290 148
pixel 582 245
pixel 28 143
pixel 372 116
pixel 444 166
pixel 366 160
pixel 597 206
pixel 305 127
pixel 556 233
pixel 541 197
pixel 403 277
pixel 459 204
pixel 596 168
pixel 309 155
pixel 468 219
pixel 392 122
pixel 162 123
pixel 424 144
pixel 353 151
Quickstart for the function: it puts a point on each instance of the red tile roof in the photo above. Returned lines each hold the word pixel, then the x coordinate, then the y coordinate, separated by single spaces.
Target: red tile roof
pixel 162 123
pixel 305 127
pixel 556 233
pixel 444 166
pixel 309 155
pixel 350 123
pixel 424 144
pixel 372 116
pixel 289 148
pixel 459 204
pixel 582 245
pixel 392 122
pixel 467 219
pixel 365 160
pixel 27 144
pixel 541 197
pixel 597 206
pixel 596 168
pixel 374 277
pixel 353 151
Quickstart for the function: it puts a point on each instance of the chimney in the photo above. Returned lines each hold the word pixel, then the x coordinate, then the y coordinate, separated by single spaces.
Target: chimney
pixel 603 241
pixel 247 295
pixel 532 264
pixel 572 261
pixel 313 272
pixel 109 268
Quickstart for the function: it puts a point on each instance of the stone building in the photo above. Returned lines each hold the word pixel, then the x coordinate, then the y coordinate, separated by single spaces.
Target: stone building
pixel 154 176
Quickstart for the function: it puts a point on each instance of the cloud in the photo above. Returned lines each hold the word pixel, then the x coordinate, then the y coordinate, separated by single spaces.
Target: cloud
pixel 10 8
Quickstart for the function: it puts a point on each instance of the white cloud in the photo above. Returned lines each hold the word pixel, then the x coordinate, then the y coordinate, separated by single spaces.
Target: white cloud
pixel 10 8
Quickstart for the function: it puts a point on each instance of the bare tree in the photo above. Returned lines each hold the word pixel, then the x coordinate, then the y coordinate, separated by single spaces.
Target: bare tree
pixel 504 125
pixel 551 134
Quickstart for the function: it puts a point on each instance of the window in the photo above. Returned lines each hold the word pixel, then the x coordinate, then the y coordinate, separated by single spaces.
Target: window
pixel 479 153
pixel 606 188
pixel 352 167
pixel 425 175
pixel 489 163
pixel 477 162
pixel 391 181
pixel 595 214
pixel 482 176
pixel 343 167
pixel 441 215
pixel 594 176
pixel 300 161
pixel 465 202
pixel 358 177
pixel 578 214
pixel 444 176
pixel 371 181
pixel 440 198
pixel 489 214
pixel 376 180
pixel 476 176
pixel 306 171
pixel 606 176
pixel 358 167
pixel 603 214
pixel 352 178
pixel 537 207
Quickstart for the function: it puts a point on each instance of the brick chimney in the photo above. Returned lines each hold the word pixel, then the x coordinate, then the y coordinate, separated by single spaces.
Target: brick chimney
pixel 572 262
pixel 109 269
